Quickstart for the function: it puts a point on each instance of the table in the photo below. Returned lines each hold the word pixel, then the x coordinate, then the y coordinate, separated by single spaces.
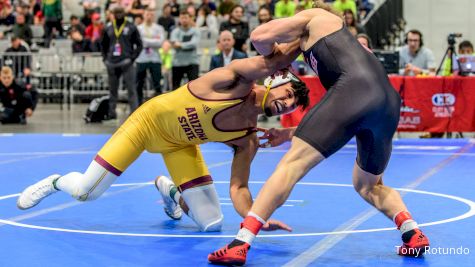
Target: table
pixel 429 104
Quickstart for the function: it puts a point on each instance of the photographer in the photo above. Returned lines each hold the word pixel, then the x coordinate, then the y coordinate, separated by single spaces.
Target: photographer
pixel 464 48
pixel 414 59
pixel 16 100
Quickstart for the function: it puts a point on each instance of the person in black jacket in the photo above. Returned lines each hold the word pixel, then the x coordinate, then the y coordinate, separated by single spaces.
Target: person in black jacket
pixel 239 28
pixel 121 45
pixel 16 101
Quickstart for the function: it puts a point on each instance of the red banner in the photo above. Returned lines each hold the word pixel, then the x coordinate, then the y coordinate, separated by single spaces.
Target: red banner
pixel 431 104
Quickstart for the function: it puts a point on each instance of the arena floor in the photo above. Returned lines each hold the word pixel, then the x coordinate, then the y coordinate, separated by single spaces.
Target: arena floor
pixel 332 226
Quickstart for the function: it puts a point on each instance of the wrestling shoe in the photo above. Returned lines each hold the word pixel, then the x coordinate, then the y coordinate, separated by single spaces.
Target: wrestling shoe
pixel 414 243
pixel 164 185
pixel 233 254
pixel 33 194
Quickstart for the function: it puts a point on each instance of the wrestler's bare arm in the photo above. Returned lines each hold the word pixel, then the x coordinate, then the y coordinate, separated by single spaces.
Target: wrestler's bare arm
pixel 283 30
pixel 244 151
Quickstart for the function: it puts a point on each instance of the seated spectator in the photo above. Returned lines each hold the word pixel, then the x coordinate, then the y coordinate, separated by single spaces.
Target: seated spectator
pixel 17 101
pixel 270 5
pixel 206 20
pixel 76 24
pixel 94 32
pixel 210 4
pixel 136 10
pixel 6 13
pixel 364 40
pixel 166 20
pixel 225 8
pixel 80 44
pixel 307 4
pixel 21 64
pixel 284 9
pixel 351 23
pixel 228 53
pixel 24 9
pixel 174 8
pixel 364 7
pixel 250 9
pixel 414 59
pixel 342 5
pixel 264 15
pixel 464 48
pixel 239 28
pixel 22 30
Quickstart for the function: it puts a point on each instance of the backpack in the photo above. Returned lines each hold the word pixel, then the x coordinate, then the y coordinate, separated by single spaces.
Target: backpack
pixel 98 110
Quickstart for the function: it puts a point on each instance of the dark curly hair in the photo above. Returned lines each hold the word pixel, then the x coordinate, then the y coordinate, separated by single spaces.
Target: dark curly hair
pixel 300 92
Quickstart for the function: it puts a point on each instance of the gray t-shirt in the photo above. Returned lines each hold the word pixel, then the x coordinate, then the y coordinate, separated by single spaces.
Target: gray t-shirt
pixel 424 59
pixel 187 54
pixel 152 39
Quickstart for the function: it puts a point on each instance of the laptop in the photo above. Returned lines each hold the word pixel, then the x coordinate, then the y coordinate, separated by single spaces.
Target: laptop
pixel 467 64
pixel 389 59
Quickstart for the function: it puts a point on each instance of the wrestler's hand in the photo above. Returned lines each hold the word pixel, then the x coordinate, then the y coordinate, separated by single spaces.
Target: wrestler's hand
pixel 275 137
pixel 272 225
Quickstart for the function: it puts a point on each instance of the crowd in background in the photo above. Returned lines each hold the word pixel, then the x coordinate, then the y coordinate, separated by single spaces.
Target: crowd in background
pixel 164 41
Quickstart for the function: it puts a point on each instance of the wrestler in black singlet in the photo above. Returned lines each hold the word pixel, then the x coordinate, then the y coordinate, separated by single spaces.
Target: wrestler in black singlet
pixel 360 101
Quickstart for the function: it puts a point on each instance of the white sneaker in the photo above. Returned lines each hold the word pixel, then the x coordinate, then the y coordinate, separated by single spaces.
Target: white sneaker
pixel 33 194
pixel 164 185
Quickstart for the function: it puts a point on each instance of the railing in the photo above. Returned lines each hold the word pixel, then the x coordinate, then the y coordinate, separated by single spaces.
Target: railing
pixel 384 24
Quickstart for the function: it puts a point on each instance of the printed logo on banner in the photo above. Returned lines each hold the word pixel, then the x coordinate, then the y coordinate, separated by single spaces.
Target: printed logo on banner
pixel 443 105
pixel 408 119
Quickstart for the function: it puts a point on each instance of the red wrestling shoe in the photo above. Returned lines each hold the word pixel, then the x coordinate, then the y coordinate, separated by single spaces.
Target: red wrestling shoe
pixel 415 243
pixel 232 254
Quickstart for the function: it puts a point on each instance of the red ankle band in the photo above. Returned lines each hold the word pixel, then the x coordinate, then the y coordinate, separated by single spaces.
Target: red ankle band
pixel 401 217
pixel 251 224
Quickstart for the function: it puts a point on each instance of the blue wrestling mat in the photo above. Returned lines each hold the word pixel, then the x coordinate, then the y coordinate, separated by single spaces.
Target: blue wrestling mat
pixel 332 225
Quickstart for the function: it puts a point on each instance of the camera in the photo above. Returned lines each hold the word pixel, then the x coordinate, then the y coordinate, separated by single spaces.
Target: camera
pixel 452 36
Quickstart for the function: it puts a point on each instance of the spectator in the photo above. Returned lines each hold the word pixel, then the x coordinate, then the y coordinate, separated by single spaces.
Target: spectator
pixel 350 22
pixel 52 11
pixel 21 63
pixel 138 20
pixel 76 24
pixel 22 30
pixel 342 5
pixel 464 48
pixel 270 5
pixel 121 45
pixel 264 15
pixel 17 101
pixel 80 44
pixel 24 9
pixel 414 59
pixel 6 13
pixel 149 59
pixel 167 59
pixel 166 20
pixel 149 4
pixel 206 20
pixel 307 4
pixel 94 33
pixel 284 9
pixel 228 53
pixel 185 40
pixel 210 4
pixel 137 9
pixel 239 28
pixel 174 6
pixel 364 40
pixel 225 8
pixel 250 9
pixel 190 8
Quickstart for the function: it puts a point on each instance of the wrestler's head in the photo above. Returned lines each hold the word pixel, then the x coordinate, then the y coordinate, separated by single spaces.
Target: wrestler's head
pixel 284 95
